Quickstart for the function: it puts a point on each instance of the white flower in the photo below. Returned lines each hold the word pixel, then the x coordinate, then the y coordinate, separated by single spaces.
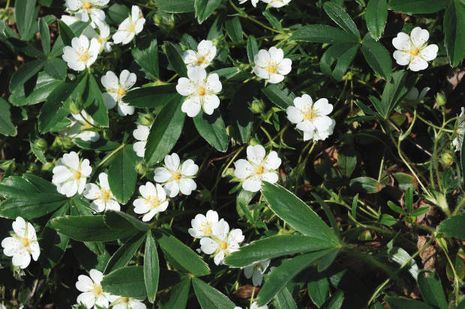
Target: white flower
pixel 70 174
pixel 22 244
pixel 82 53
pixel 141 134
pixel 121 302
pixel 117 89
pixel 460 131
pixel 152 201
pixel 271 65
pixel 69 20
pixel 202 225
pixel 257 168
pixel 277 3
pixel 204 55
pixel 103 36
pixel 413 50
pixel 92 295
pixel 256 271
pixel 222 241
pixel 87 10
pixel 200 91
pixel 81 127
pixel 254 2
pixel 312 118
pixel 177 177
pixel 101 196
pixel 130 27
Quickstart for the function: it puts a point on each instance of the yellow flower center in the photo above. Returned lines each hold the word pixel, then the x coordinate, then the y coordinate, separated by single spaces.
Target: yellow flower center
pixel 153 201
pixel 259 169
pixel 310 114
pixel 415 51
pixel 272 68
pixel 97 289
pixel 201 91
pixel 87 5
pixel 131 27
pixel 200 60
pixel 25 242
pixel 105 195
pixel 77 175
pixel 121 92
pixel 206 229
pixel 223 245
pixel 84 57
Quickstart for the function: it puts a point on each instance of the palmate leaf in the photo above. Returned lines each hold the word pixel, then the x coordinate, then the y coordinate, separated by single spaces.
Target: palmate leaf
pixel 29 196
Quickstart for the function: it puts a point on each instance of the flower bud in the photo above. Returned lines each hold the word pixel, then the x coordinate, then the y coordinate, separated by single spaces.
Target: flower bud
pixel 447 159
pixel 141 168
pixel 40 144
pixel 440 99
pixel 145 119
pixel 257 106
pixel 74 108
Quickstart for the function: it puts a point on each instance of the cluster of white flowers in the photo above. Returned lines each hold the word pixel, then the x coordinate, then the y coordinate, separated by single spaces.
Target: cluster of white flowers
pixel 312 118
pixel 215 236
pixel 94 296
pixel 200 88
pixel 85 49
pixel 258 167
pixel 413 50
pixel 22 244
pixel 272 3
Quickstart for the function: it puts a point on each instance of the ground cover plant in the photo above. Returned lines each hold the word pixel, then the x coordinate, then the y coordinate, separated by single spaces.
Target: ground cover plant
pixel 232 154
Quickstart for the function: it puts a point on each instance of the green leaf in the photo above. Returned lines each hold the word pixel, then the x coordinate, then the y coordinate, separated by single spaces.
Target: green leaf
pixel 209 297
pixel 175 58
pixel 279 276
pixel 234 29
pixel 95 104
pixel 394 91
pixel 178 296
pixel 25 15
pixel 90 228
pixel 405 303
pixel 29 197
pixel 165 131
pixel 44 36
pixel 318 290
pixel 281 97
pixel 240 115
pixel 152 97
pixel 56 68
pixel 125 253
pixel 127 281
pixel 454 31
pixel 44 86
pixel 336 300
pixel 147 59
pixel 417 6
pixel 323 34
pixel 252 48
pixel 337 59
pixel 122 175
pixel 339 15
pixel 175 6
pixel 376 17
pixel 367 184
pixel 431 289
pixel 284 300
pixel 453 227
pixel 66 33
pixel 213 130
pixel 119 218
pixel 205 8
pixel 297 214
pixel 377 57
pixel 6 125
pixel 183 257
pixel 275 246
pixel 25 73
pixel 151 268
